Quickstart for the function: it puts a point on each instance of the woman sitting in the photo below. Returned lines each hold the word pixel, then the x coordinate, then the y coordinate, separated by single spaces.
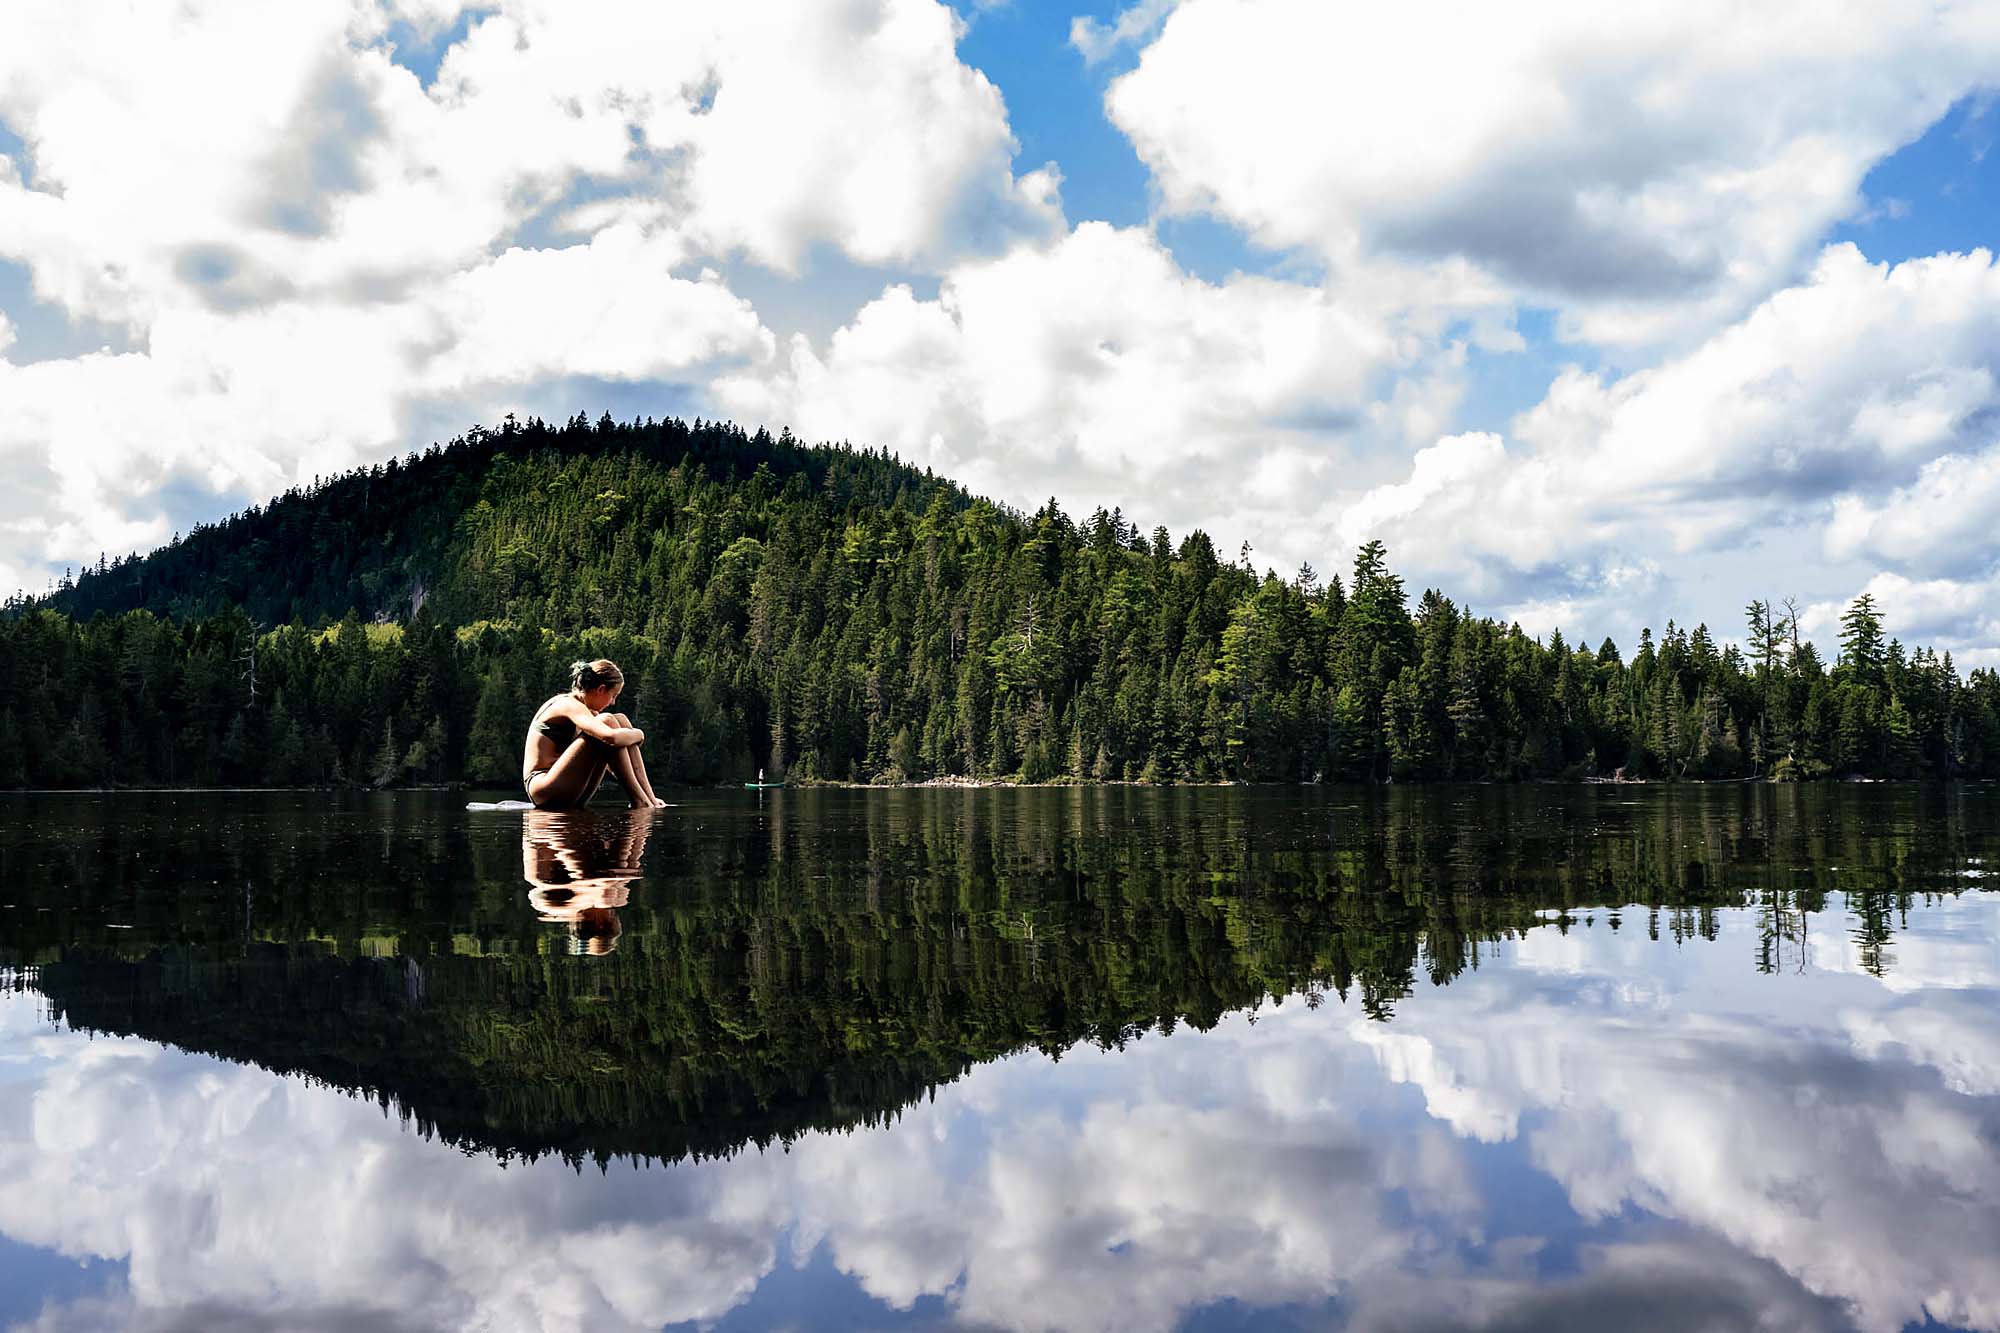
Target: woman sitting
pixel 573 742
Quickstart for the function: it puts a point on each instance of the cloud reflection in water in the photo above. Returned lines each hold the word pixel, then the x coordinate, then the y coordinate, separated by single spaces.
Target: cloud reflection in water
pixel 1594 1129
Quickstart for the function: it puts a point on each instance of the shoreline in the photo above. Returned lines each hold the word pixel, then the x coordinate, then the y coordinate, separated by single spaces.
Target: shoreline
pixel 979 784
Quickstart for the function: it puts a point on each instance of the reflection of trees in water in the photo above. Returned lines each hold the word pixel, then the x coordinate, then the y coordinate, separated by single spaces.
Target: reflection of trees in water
pixel 823 964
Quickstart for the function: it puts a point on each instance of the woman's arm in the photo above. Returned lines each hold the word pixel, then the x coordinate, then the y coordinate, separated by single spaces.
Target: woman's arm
pixel 594 726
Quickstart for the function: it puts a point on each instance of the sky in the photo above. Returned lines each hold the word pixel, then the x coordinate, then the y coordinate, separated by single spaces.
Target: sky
pixel 1598 316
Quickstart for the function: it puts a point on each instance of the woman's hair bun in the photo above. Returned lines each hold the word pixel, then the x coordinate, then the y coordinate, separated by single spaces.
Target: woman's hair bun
pixel 594 675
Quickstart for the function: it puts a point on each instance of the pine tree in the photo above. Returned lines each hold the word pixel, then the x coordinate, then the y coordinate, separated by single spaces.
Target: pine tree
pixel 493 749
pixel 1861 648
pixel 386 766
pixel 770 601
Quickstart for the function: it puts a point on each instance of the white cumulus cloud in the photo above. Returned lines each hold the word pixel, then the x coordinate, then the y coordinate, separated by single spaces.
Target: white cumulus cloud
pixel 1096 40
pixel 1096 369
pixel 1837 414
pixel 309 250
pixel 1942 520
pixel 1649 169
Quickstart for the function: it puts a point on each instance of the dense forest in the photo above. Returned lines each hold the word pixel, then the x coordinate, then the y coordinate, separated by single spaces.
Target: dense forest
pixel 829 613
pixel 827 963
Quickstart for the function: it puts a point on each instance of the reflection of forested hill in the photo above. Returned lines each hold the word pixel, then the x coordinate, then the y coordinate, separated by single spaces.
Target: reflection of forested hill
pixel 828 962
pixel 509 1055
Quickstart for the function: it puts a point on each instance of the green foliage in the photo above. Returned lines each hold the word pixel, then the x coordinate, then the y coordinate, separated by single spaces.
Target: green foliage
pixel 825 967
pixel 831 613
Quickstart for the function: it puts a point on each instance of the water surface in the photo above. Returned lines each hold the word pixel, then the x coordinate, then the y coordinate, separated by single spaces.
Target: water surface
pixel 1444 1058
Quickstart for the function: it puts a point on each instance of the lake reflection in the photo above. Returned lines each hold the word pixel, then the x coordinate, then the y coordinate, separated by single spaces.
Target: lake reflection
pixel 1475 1058
pixel 580 865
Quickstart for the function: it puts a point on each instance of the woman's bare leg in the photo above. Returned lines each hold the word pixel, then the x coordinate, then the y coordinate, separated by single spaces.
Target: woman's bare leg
pixel 574 777
pixel 631 769
pixel 621 768
pixel 639 768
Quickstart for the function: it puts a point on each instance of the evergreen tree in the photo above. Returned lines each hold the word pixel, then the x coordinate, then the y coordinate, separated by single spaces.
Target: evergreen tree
pixel 1861 649
pixel 829 613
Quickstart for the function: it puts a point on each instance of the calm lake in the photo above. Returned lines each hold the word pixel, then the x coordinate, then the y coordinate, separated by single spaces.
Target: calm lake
pixel 1483 1058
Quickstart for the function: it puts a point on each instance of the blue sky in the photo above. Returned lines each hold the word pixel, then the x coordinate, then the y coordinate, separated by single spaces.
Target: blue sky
pixel 1595 320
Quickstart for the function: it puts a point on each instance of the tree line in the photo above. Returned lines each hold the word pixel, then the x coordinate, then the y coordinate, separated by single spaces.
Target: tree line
pixel 830 613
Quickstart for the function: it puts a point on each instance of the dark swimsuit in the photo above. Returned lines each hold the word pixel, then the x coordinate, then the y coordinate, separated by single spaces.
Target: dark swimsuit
pixel 562 731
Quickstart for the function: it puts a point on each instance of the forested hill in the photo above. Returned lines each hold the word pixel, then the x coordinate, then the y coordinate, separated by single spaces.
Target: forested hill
pixel 381 541
pixel 829 613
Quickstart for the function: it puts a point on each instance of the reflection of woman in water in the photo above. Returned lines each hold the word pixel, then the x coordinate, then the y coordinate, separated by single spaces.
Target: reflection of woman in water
pixel 580 869
pixel 573 742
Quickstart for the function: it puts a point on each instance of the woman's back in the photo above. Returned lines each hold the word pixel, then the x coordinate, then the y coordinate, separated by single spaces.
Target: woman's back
pixel 549 734
pixel 558 727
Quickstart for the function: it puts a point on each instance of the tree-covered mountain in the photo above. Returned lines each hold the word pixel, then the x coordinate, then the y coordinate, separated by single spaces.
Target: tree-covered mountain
pixel 468 530
pixel 832 613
